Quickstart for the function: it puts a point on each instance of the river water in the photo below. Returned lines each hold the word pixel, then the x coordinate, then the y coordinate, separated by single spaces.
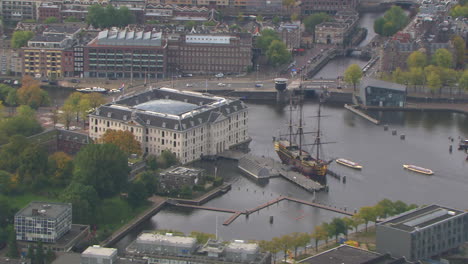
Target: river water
pixel 381 154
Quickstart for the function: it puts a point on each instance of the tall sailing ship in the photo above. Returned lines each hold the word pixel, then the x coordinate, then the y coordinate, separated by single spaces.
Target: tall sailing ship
pixel 290 148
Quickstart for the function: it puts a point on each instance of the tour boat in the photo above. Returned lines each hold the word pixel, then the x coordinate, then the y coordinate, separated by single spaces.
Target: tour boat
pixel 418 169
pixel 92 90
pixel 349 163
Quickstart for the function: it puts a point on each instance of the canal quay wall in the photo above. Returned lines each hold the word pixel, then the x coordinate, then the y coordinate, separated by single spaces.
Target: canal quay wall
pixel 158 204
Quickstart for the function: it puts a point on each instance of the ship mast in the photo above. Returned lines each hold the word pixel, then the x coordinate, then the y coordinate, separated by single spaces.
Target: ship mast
pixel 317 139
pixel 290 121
pixel 300 130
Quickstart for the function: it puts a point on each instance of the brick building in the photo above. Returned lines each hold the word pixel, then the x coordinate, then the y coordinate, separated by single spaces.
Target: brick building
pixel 209 53
pixel 47 10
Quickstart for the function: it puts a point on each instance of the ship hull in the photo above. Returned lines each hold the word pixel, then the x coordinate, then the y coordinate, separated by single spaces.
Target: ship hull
pixel 315 172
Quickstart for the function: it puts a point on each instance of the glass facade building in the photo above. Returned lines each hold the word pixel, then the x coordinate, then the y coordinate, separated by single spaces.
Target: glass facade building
pixel 382 94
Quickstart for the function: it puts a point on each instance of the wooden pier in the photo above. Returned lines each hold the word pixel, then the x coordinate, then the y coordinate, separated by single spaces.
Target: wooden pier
pixel 237 213
pixel 361 114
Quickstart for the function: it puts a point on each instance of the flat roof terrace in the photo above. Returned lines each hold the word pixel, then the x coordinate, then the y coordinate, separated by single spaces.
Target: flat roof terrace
pixel 422 217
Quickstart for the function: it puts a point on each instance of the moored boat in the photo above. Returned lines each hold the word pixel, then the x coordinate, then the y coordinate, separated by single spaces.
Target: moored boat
pixel 349 163
pixel 418 169
pixel 91 90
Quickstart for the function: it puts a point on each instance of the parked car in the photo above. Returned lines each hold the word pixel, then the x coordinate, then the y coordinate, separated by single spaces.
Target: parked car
pixel 221 84
pixel 189 85
pixel 259 85
pixel 187 75
pixel 219 75
pixel 75 81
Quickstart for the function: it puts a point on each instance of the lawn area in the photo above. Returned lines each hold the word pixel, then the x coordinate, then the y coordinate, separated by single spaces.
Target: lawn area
pixel 20 201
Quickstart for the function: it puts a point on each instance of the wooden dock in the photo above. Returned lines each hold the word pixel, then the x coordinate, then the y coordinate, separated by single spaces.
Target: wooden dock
pixel 353 109
pixel 237 213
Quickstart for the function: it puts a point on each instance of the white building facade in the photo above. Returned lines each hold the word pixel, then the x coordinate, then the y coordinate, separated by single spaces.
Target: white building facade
pixel 191 125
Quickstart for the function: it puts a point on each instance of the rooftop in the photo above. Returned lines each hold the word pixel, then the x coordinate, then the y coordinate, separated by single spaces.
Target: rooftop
pixel 100 251
pixel 239 245
pixel 165 240
pixel 128 38
pixel 172 107
pixel 182 171
pixel 63 29
pixel 382 84
pixel 344 254
pixel 421 218
pixel 151 108
pixel 44 209
pixel 48 38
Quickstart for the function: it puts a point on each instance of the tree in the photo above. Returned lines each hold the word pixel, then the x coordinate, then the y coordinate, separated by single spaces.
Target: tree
pixel 368 213
pixel 10 153
pixel 31 94
pixel 460 50
pixel 399 76
pixel 259 18
pixel 123 139
pixel 357 220
pixel 109 16
pixel 326 227
pixel 60 169
pixel 71 19
pixel 66 115
pixel 102 166
pixel 348 223
pixel 32 167
pixel 285 244
pixel 311 21
pixel 21 38
pixel 84 199
pixel 463 81
pixel 201 237
pixel 460 10
pixel 278 53
pixel 294 17
pixel 299 240
pixel 276 20
pixel 166 159
pixel 434 81
pixel 353 75
pixel 399 207
pixel 50 256
pixel 443 58
pixel 266 38
pixel 319 233
pixel 392 21
pixel 5 188
pixel 415 76
pixel 51 20
pixel 416 59
pixel 12 246
pixel 73 101
pixel 137 194
pixel 149 180
pixel 386 208
pixel 39 256
pixel 95 99
pixel 337 226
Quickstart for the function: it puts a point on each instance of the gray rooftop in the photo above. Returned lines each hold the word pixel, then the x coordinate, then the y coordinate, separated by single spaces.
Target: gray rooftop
pixel 62 29
pixel 181 117
pixel 344 254
pixel 172 107
pixel 128 38
pixel 423 217
pixel 48 38
pixel 182 171
pixel 44 209
pixel 365 82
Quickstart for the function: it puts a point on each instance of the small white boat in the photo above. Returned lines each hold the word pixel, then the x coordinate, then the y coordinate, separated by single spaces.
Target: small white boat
pixel 349 163
pixel 418 169
pixel 92 90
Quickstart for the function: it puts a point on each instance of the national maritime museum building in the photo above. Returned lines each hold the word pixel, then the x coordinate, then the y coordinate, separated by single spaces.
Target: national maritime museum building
pixel 190 124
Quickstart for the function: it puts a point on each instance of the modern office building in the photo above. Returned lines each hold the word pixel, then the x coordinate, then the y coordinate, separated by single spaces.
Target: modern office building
pixel 168 248
pixel 209 53
pixel 99 255
pixel 373 92
pixel 125 54
pixel 189 124
pixel 423 233
pixel 19 10
pixel 41 221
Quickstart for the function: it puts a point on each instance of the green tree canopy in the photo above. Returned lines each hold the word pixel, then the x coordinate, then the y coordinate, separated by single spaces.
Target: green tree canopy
pixel 21 38
pixel 311 21
pixel 368 214
pixel 443 58
pixel 51 20
pixel 84 200
pixel 353 75
pixel 266 38
pixel 460 51
pixel 460 10
pixel 102 166
pixel 392 21
pixel 463 81
pixel 277 53
pixel 319 234
pixel 416 59
pixel 109 16
pixel 137 194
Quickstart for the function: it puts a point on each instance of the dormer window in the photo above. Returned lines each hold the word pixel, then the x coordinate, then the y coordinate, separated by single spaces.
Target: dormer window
pixel 200 120
pixel 192 123
pixel 109 114
pixel 148 122
pixel 164 124
pixel 125 117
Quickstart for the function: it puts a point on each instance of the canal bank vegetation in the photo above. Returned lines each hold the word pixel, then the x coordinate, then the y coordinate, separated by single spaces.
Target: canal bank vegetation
pixel 272 47
pixel 440 71
pixel 460 10
pixel 290 243
pixel 392 21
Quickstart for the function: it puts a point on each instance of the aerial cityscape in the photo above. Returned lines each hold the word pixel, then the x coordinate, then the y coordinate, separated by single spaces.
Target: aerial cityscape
pixel 256 132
